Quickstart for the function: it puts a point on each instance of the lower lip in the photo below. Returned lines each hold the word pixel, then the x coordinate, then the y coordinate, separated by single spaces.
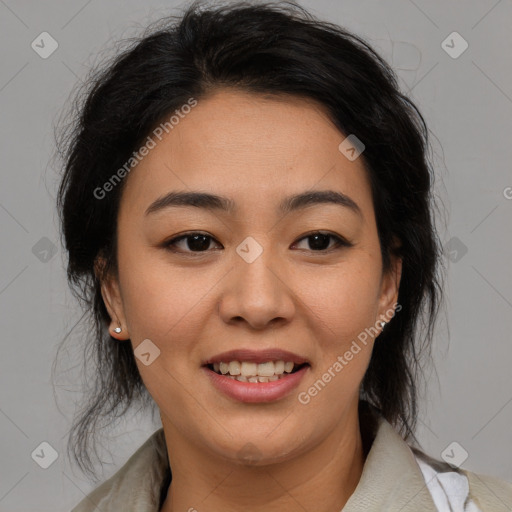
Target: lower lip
pixel 251 392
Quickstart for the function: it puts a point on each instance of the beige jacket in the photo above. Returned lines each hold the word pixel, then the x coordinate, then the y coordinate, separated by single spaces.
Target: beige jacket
pixel 396 477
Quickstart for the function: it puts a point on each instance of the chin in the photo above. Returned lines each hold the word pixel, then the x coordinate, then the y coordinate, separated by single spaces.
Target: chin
pixel 259 449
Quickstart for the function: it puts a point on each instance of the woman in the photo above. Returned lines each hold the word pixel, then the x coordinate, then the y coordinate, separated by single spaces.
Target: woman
pixel 247 206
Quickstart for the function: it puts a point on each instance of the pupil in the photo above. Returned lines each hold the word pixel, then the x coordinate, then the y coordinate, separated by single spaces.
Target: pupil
pixel 199 242
pixel 323 243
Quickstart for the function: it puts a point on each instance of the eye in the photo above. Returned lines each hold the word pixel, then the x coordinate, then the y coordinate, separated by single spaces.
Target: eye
pixel 195 242
pixel 319 242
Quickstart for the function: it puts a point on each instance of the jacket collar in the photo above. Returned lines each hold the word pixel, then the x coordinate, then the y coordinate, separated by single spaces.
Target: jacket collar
pixel 391 479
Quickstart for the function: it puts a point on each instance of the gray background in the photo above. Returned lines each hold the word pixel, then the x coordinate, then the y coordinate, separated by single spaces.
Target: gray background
pixel 467 102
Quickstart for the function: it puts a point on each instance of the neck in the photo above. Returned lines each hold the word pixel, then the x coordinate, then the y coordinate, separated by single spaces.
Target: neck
pixel 322 478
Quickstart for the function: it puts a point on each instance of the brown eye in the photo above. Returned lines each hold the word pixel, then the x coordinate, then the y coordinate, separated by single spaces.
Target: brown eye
pixel 196 242
pixel 320 242
pixel 193 242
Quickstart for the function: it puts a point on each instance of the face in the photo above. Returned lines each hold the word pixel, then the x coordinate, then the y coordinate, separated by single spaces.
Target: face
pixel 254 277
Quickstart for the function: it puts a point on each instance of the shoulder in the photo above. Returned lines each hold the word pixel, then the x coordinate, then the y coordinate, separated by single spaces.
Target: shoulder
pixel 138 481
pixel 489 492
pixel 450 487
pixel 459 490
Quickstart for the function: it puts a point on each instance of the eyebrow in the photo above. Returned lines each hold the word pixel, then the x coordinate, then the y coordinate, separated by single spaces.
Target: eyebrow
pixel 214 202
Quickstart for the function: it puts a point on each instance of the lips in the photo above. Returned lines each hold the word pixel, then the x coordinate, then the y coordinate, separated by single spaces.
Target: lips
pixel 253 392
pixel 289 368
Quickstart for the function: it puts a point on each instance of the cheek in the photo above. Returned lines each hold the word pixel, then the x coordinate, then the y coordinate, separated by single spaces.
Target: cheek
pixel 157 299
pixel 168 308
pixel 342 309
pixel 343 300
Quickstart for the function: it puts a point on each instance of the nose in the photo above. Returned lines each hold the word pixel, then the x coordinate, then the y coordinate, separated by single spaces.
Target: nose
pixel 258 293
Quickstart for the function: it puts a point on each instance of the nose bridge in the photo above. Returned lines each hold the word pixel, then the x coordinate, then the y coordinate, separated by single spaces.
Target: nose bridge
pixel 257 292
pixel 258 275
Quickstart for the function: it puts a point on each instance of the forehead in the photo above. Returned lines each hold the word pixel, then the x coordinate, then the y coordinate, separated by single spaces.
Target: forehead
pixel 252 148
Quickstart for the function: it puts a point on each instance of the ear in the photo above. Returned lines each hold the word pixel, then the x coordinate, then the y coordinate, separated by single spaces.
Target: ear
pixel 390 284
pixel 110 291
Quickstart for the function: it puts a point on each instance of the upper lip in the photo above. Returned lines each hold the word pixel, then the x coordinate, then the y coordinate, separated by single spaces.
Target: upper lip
pixel 256 356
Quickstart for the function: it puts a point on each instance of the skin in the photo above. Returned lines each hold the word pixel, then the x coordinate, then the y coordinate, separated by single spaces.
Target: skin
pixel 255 150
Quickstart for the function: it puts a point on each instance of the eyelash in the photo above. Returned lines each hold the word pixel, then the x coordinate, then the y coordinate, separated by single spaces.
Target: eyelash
pixel 340 242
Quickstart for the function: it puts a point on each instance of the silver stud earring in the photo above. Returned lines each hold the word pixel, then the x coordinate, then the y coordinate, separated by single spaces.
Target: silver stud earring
pixel 118 329
pixel 382 324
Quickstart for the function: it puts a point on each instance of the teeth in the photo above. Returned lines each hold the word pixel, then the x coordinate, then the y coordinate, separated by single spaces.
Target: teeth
pixel 266 369
pixel 253 372
pixel 279 367
pixel 248 369
pixel 234 368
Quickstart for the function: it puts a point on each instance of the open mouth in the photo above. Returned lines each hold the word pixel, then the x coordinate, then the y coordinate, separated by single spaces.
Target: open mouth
pixel 256 372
